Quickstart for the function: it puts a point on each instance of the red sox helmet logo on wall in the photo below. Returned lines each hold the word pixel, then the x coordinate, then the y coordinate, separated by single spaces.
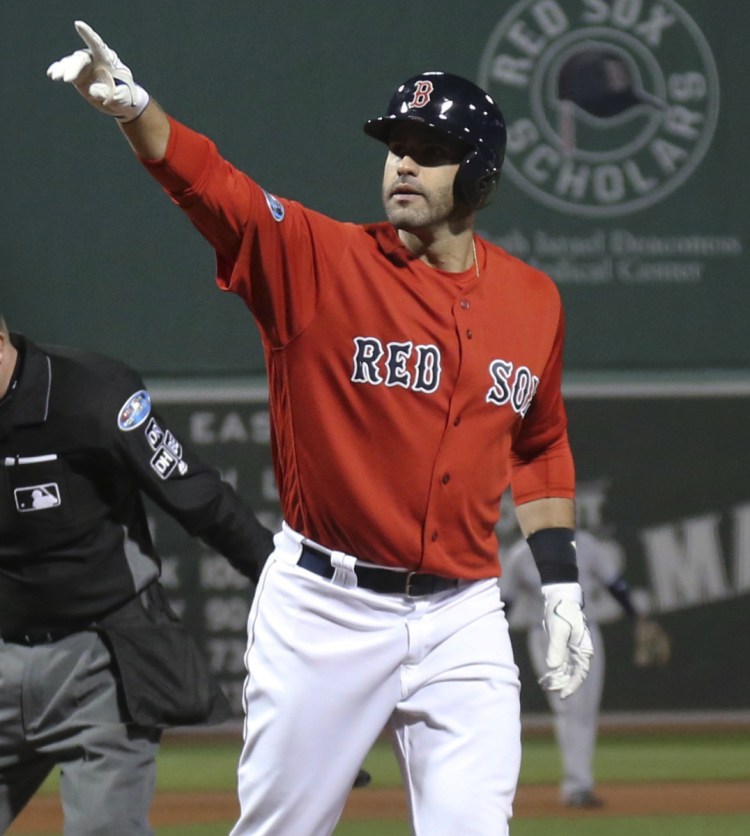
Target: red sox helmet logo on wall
pixel 612 104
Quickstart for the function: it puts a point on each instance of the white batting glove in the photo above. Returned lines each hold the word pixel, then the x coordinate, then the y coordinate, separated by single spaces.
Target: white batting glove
pixel 100 77
pixel 570 647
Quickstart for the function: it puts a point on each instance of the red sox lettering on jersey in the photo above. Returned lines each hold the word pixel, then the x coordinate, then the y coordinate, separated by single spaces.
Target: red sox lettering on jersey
pixel 514 387
pixel 418 368
pixel 423 376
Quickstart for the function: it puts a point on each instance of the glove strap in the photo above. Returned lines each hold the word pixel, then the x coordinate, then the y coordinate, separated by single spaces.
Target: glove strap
pixel 556 592
pixel 554 553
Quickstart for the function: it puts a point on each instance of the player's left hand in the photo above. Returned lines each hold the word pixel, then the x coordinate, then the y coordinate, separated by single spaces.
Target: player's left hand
pixel 570 647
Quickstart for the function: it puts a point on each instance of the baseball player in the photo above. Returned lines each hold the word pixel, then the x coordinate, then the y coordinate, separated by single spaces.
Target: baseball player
pixel 576 719
pixel 414 372
pixel 93 662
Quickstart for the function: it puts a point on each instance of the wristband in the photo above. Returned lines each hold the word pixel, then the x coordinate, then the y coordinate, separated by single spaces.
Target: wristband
pixel 554 551
pixel 620 591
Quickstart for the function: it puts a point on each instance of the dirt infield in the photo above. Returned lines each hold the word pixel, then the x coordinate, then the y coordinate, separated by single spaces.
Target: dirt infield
pixel 621 800
pixel 685 798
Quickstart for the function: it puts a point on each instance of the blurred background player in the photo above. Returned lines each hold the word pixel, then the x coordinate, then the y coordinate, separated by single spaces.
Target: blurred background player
pixel 576 718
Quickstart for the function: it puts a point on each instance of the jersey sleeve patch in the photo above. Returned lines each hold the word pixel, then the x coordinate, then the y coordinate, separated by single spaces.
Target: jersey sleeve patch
pixel 134 411
pixel 275 206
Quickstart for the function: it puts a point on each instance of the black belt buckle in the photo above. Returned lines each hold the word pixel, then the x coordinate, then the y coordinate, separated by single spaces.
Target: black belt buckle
pixel 418 584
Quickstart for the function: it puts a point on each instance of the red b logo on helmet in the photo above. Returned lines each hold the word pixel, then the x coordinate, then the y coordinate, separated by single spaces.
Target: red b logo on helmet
pixel 422 92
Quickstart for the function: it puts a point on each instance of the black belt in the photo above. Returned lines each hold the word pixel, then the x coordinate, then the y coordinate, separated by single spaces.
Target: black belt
pixel 33 637
pixel 379 580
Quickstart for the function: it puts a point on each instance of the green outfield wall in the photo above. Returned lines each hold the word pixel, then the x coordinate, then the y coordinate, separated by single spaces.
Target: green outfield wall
pixel 626 173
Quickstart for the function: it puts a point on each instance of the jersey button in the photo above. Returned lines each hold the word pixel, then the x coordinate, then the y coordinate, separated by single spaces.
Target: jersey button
pixel 434 536
pixel 465 304
pixel 457 421
pixel 469 333
pixel 446 478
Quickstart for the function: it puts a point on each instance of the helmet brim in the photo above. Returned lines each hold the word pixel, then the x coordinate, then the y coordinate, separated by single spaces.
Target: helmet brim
pixel 381 127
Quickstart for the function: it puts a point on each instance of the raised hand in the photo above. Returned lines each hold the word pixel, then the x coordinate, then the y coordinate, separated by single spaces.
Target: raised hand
pixel 101 77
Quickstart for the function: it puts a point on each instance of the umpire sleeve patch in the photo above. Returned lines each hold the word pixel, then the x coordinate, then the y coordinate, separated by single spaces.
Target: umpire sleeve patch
pixel 134 411
pixel 164 463
pixel 168 451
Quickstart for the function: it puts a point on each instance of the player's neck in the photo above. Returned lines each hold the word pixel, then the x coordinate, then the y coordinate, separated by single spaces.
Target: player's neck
pixel 451 252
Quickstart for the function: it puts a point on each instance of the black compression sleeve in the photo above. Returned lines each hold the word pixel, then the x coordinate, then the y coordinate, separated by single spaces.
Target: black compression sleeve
pixel 554 553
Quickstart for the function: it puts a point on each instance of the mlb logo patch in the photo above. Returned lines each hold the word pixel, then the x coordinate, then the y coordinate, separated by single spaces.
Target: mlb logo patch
pixel 37 497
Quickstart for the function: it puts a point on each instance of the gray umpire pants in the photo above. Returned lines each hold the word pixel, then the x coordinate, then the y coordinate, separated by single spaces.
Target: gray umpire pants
pixel 59 704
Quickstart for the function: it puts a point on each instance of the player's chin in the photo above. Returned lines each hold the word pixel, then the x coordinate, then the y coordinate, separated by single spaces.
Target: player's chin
pixel 405 217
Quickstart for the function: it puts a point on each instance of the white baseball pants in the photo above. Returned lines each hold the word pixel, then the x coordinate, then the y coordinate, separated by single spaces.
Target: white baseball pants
pixel 330 666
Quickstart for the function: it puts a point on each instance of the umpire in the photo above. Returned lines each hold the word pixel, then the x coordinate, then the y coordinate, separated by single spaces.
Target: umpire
pixel 93 662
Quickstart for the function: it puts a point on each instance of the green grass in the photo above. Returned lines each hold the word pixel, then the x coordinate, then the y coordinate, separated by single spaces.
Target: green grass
pixel 177 766
pixel 721 755
pixel 382 827
pixel 640 825
pixel 204 765
pixel 185 766
pixel 727 825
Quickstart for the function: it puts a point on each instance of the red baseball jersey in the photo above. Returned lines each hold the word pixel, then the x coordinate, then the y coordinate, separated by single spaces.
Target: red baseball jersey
pixel 403 399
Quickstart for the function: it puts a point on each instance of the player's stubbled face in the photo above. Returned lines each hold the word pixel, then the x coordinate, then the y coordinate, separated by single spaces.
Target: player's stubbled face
pixel 418 179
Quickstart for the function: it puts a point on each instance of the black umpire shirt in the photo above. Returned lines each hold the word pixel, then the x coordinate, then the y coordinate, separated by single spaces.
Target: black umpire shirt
pixel 79 444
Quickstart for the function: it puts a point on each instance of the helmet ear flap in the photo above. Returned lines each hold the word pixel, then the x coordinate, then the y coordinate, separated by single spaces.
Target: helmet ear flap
pixel 475 181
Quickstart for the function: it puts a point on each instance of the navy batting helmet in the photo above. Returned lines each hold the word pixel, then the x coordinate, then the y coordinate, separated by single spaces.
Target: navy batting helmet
pixel 455 106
